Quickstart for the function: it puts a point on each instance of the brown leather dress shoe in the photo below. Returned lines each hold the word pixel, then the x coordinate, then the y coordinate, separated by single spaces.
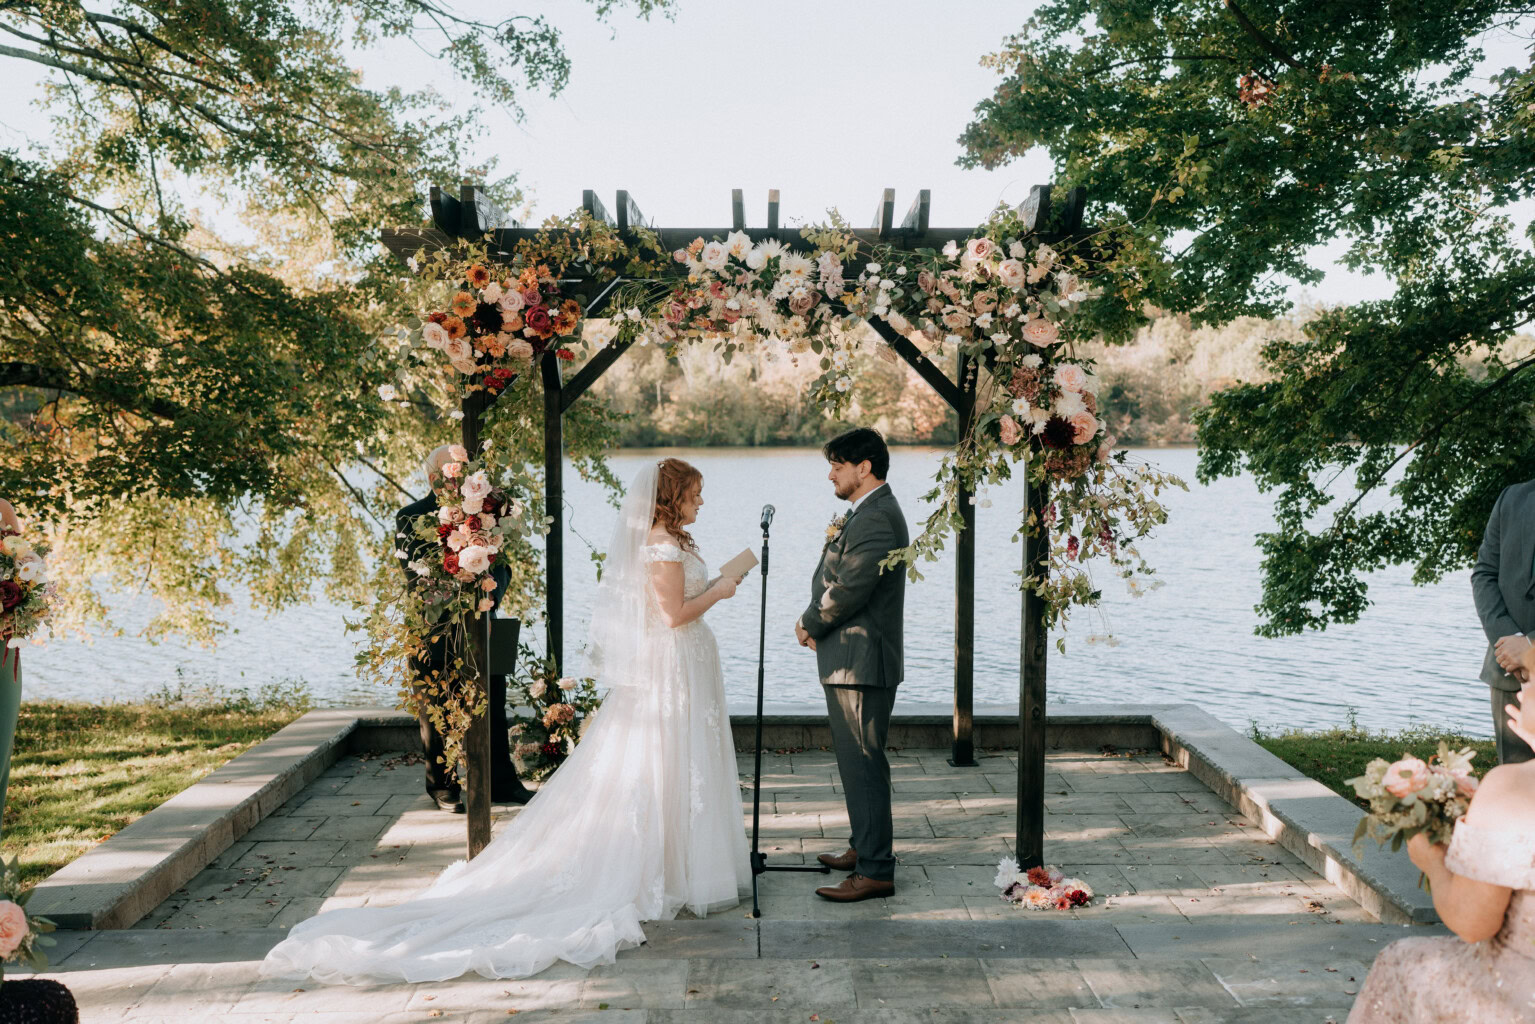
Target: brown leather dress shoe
pixel 856 887
pixel 840 861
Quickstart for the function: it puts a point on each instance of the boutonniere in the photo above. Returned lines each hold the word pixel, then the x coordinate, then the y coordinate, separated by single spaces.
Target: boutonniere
pixel 835 526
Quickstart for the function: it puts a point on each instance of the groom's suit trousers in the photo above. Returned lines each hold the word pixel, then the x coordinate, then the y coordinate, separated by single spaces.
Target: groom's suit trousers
pixel 860 721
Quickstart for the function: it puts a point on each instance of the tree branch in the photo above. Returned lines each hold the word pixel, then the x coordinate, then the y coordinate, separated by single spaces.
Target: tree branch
pixel 30 375
pixel 1274 49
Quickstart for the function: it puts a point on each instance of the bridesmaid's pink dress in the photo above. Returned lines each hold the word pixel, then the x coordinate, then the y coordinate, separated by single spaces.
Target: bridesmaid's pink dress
pixel 1442 980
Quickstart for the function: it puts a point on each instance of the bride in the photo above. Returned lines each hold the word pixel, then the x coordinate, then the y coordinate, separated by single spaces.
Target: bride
pixel 643 819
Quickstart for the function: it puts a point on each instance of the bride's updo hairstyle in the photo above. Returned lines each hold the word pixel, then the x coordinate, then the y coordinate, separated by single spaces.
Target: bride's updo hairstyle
pixel 674 482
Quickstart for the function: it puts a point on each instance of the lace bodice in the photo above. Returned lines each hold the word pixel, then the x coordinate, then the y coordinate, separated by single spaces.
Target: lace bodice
pixel 695 574
pixel 1500 856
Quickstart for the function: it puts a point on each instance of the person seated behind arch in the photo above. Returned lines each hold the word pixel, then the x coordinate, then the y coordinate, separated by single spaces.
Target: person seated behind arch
pixel 1483 885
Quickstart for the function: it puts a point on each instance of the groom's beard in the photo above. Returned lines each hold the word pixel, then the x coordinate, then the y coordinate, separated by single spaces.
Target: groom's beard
pixel 844 493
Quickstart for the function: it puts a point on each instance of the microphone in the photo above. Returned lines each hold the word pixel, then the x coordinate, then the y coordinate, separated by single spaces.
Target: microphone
pixel 767 516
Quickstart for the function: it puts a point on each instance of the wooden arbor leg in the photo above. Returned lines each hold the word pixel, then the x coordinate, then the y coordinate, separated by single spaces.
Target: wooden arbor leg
pixel 476 664
pixel 962 754
pixel 1033 646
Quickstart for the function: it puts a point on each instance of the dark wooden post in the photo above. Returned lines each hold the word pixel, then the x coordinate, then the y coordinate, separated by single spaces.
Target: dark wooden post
pixel 476 674
pixel 554 504
pixel 1032 649
pixel 962 755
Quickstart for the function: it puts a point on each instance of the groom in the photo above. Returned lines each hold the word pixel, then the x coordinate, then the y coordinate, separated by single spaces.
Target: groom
pixel 854 625
pixel 1503 585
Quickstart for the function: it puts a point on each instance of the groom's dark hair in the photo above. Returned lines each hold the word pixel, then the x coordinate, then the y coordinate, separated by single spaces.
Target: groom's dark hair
pixel 856 445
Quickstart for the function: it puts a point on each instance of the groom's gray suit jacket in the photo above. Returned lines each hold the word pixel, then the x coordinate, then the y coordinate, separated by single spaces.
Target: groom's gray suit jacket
pixel 855 612
pixel 1503 582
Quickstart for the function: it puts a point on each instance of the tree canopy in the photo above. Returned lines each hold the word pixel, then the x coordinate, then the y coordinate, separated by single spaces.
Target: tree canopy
pixel 170 383
pixel 1222 144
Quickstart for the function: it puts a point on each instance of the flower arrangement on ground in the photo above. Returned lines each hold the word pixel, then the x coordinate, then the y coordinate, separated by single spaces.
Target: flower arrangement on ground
pixel 1040 888
pixel 550 714
pixel 1411 795
pixel 24 588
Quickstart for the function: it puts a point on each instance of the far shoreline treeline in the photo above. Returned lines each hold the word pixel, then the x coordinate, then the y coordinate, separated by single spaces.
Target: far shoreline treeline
pixel 1150 391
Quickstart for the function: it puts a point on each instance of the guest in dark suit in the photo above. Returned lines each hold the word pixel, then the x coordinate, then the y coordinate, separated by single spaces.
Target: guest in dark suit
pixel 1503 584
pixel 505 786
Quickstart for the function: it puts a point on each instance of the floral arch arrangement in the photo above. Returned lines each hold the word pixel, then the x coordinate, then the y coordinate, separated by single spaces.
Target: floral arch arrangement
pixel 1004 302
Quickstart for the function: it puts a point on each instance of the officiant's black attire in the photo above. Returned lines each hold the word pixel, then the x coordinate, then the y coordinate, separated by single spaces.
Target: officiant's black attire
pixel 505 786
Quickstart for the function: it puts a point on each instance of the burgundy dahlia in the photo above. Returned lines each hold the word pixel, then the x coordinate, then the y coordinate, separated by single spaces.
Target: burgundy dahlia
pixel 1058 433
pixel 487 319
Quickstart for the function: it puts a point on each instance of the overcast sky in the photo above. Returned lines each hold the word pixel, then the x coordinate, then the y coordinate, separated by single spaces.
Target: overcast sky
pixel 828 102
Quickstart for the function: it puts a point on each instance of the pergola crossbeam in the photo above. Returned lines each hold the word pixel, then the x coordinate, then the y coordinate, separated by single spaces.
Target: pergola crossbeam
pixel 594 208
pixel 884 215
pixel 737 209
pixel 915 220
pixel 772 218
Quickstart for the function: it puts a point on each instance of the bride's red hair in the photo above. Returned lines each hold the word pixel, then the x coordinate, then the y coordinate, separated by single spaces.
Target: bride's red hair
pixel 675 481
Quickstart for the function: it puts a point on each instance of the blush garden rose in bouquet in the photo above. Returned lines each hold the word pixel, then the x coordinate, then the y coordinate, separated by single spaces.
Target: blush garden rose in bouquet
pixel 1041 888
pixel 550 713
pixel 24 588
pixel 1411 795
pixel 22 935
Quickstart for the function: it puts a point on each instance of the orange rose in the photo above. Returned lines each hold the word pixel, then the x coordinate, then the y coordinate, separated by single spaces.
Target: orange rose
pixel 463 304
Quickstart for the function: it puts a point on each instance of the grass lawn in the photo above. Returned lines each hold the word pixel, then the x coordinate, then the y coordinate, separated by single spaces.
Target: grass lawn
pixel 1332 756
pixel 81 772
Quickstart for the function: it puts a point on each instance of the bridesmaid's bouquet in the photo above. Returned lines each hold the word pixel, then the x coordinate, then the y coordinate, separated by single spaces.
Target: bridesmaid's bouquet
pixel 22 935
pixel 24 587
pixel 1410 796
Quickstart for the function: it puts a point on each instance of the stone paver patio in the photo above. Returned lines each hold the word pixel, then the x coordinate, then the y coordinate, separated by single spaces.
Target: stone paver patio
pixel 1199 917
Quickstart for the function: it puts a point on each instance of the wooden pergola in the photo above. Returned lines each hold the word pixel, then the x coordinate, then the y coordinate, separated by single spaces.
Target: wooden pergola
pixel 472 215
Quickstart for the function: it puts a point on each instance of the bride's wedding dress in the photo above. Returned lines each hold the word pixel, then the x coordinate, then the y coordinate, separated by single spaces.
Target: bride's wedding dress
pixel 642 820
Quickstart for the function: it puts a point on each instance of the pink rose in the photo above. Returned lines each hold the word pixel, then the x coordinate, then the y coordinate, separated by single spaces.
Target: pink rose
pixel 458 453
pixel 511 301
pixel 956 319
pixel 1010 431
pixel 1041 333
pixel 1465 784
pixel 1070 377
pixel 1406 777
pixel 475 559
pixel 984 302
pixel 13 928
pixel 486 604
pixel 1083 426
pixel 980 248
pixel 434 335
pixel 1011 273
pixel 926 281
pixel 452 469
pixel 680 255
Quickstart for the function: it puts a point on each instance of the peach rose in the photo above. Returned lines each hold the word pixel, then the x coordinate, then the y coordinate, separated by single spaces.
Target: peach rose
pixel 434 335
pixel 486 604
pixel 984 302
pixel 1011 273
pixel 926 281
pixel 1465 784
pixel 980 248
pixel 458 453
pixel 1070 377
pixel 1406 777
pixel 1083 426
pixel 1041 332
pixel 520 350
pixel 511 301
pixel 1010 430
pixel 13 928
pixel 452 469
pixel 477 487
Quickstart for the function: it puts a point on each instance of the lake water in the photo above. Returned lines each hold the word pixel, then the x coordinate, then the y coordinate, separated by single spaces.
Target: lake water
pixel 1414 656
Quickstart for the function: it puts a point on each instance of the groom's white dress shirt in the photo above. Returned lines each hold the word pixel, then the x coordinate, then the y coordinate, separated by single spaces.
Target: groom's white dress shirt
pixel 864 498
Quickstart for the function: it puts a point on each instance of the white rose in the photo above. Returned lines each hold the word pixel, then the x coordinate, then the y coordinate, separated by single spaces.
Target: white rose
pixel 492 293
pixel 458 349
pixel 511 301
pixel 756 259
pixel 474 559
pixel 476 487
pixel 434 335
pixel 569 683
pixel 714 255
pixel 536 690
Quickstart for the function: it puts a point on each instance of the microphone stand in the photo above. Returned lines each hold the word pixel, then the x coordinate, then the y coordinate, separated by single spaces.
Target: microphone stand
pixel 759 862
